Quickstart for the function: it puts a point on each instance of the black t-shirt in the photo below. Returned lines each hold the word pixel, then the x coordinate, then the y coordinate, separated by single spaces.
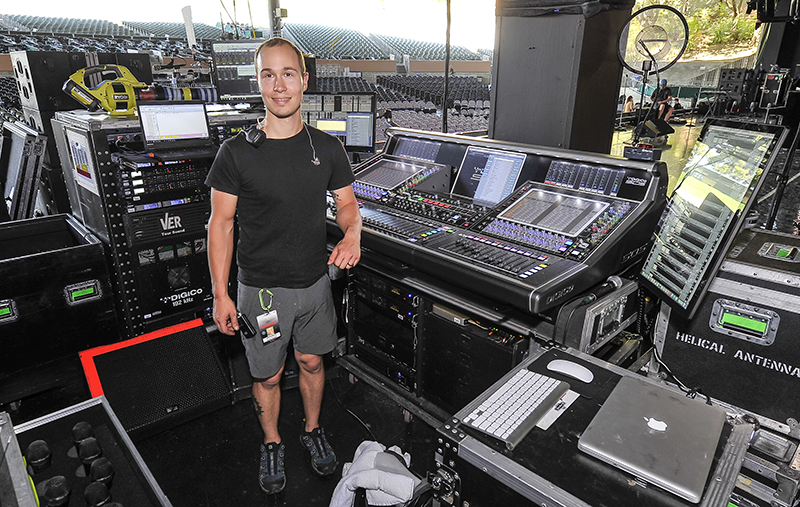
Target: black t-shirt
pixel 660 94
pixel 281 204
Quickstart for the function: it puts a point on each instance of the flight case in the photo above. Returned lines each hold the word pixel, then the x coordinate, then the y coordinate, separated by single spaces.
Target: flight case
pixel 741 346
pixel 55 300
pixel 547 469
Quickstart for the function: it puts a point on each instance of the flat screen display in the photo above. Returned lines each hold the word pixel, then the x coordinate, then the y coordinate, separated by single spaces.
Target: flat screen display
pixel 235 72
pixel 707 208
pixel 347 116
pixel 388 173
pixel 167 124
pixel 488 176
pixel 419 149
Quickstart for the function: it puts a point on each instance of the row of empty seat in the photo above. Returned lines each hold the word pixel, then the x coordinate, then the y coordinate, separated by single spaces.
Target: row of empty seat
pixel 176 30
pixel 344 84
pixel 415 92
pixel 96 27
pixel 64 25
pixel 325 42
pixel 334 43
pixel 343 44
pixel 464 91
pixel 433 121
pixel 420 50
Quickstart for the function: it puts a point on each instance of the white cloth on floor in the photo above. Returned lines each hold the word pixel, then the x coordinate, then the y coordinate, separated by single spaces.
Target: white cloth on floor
pixel 385 482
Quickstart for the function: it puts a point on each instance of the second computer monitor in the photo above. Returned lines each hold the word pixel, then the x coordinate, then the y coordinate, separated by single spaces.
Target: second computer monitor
pixel 349 116
pixel 488 175
pixel 235 72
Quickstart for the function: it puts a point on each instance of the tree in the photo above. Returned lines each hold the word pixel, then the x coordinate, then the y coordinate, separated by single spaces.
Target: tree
pixel 737 7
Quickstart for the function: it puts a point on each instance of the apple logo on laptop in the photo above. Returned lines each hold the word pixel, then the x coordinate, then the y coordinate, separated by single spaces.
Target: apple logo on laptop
pixel 655 424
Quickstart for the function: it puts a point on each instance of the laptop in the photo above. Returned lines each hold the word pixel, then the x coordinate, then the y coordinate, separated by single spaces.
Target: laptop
pixel 660 436
pixel 176 130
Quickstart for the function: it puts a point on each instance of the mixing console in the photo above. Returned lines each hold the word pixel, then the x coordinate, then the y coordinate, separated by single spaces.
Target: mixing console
pixel 556 223
pixel 400 224
pixel 448 209
pixel 571 223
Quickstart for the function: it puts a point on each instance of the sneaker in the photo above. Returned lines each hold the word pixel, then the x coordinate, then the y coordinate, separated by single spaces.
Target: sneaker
pixel 323 460
pixel 271 474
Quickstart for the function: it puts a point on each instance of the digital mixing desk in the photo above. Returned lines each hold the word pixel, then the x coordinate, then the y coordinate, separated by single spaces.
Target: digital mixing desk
pixel 524 225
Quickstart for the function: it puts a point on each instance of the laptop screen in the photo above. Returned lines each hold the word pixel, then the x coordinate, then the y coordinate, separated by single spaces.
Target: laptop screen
pixel 174 125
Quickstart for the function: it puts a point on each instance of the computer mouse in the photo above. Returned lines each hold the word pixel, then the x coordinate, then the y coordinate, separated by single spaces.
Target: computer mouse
pixel 570 369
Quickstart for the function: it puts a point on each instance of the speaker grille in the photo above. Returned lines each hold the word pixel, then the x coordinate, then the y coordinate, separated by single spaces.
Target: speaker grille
pixel 160 383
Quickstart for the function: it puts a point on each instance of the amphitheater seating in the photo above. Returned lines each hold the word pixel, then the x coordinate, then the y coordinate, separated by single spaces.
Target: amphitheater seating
pixel 464 91
pixel 433 122
pixel 74 34
pixel 66 25
pixel 7 23
pixel 419 50
pixel 176 30
pixel 334 43
pixel 468 99
pixel 487 53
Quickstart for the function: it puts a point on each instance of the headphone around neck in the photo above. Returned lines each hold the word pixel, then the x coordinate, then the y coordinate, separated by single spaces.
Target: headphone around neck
pixel 255 137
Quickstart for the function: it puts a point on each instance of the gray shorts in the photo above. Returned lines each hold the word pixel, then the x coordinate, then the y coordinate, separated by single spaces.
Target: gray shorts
pixel 304 315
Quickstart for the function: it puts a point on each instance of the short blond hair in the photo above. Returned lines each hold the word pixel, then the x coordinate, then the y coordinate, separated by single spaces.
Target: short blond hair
pixel 280 41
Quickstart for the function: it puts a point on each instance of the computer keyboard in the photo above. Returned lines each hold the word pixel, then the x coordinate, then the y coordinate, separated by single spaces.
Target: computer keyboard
pixel 514 408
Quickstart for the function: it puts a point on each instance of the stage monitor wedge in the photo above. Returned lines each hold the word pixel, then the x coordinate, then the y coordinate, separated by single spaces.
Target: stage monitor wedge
pixel 707 209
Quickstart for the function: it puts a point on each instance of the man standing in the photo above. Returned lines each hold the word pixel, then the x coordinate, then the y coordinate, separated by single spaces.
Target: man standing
pixel 661 98
pixel 276 185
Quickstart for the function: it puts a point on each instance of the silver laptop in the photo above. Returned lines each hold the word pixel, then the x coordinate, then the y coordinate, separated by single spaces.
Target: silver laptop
pixel 660 436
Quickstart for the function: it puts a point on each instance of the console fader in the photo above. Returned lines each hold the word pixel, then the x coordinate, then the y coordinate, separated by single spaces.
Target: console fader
pixel 573 219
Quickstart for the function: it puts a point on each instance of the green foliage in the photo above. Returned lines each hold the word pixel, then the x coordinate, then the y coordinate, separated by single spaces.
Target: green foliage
pixel 710 22
pixel 694 27
pixel 746 28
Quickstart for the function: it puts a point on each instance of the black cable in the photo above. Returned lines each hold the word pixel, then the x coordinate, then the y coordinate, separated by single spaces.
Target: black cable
pixel 690 392
pixel 372 435
pixel 124 149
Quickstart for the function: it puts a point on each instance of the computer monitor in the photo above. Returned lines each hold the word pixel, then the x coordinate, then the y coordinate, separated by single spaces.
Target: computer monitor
pixel 348 116
pixel 174 124
pixel 488 176
pixel 234 71
pixel 707 209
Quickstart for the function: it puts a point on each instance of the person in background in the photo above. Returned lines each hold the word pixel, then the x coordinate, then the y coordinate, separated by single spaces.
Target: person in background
pixel 629 106
pixel 661 98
